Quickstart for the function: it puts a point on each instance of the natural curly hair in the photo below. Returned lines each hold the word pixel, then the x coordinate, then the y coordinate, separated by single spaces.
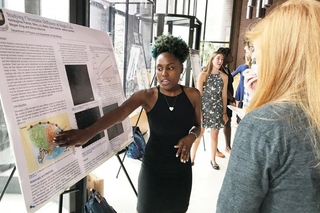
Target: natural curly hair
pixel 174 45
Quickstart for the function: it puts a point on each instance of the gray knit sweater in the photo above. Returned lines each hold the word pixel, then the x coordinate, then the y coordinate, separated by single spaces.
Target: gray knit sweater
pixel 272 164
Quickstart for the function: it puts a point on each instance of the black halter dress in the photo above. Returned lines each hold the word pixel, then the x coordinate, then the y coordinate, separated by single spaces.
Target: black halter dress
pixel 164 184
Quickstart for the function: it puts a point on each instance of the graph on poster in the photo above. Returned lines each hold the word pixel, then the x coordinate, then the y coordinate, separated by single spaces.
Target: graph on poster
pixel 103 66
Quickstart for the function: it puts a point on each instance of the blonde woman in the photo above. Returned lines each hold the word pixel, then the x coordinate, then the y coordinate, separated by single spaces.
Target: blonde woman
pixel 212 84
pixel 274 164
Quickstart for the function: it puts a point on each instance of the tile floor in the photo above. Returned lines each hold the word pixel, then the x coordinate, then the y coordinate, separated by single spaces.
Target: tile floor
pixel 118 192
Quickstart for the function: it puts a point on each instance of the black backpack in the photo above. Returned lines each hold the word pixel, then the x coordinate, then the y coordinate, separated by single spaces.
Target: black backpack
pixel 97 204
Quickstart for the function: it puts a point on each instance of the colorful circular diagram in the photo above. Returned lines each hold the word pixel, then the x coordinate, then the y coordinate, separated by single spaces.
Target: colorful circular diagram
pixel 41 136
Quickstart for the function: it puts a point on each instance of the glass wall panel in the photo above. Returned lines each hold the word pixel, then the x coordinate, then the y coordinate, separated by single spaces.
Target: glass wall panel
pixel 110 16
pixel 171 6
pixel 119 39
pixel 58 9
pixel 219 16
pixel 161 6
pixel 191 8
pixel 6 154
pixel 16 5
pixel 180 9
pixel 217 27
pixel 99 16
pixel 139 38
pixel 201 12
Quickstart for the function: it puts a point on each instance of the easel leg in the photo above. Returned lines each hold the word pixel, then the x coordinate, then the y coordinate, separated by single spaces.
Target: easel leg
pixel 124 156
pixel 60 202
pixel 7 183
pixel 125 171
pixel 61 198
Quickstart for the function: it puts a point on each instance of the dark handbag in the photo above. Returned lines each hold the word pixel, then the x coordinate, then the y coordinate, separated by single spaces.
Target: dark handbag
pixel 97 204
pixel 138 145
pixel 240 105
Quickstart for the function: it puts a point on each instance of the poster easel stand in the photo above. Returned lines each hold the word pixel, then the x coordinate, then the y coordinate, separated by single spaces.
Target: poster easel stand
pixel 80 198
pixel 61 197
pixel 7 183
pixel 124 169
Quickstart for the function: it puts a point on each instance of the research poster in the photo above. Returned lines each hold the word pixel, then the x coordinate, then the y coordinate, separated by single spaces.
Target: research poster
pixel 56 76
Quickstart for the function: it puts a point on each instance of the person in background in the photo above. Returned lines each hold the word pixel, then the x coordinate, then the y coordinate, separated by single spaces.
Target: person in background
pixel 212 84
pixel 250 71
pixel 253 71
pixel 174 116
pixel 240 89
pixel 275 161
pixel 240 92
pixel 231 101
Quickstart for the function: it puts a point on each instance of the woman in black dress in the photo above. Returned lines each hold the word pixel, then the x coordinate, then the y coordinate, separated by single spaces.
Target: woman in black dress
pixel 173 112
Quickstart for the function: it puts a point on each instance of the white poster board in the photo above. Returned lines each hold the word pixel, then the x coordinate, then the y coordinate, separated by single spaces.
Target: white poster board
pixel 137 73
pixel 56 76
pixel 195 64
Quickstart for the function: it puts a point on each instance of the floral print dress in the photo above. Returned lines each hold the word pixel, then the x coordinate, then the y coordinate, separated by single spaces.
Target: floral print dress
pixel 212 106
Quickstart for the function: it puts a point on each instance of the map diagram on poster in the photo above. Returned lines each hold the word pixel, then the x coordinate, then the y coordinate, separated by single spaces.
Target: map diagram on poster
pixel 41 136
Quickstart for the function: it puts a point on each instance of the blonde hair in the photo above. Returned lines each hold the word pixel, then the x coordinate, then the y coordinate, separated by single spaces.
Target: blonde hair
pixel 248 60
pixel 288 41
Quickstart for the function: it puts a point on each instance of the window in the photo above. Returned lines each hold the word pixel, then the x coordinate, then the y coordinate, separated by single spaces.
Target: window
pixel 58 9
pixel 130 33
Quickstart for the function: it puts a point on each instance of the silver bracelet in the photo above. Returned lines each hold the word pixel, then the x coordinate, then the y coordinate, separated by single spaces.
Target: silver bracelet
pixel 195 135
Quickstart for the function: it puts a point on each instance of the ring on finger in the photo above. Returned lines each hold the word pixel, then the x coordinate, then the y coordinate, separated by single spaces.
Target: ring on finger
pixel 61 142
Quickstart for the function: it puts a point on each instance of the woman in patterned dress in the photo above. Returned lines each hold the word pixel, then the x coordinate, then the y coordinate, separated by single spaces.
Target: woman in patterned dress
pixel 212 84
